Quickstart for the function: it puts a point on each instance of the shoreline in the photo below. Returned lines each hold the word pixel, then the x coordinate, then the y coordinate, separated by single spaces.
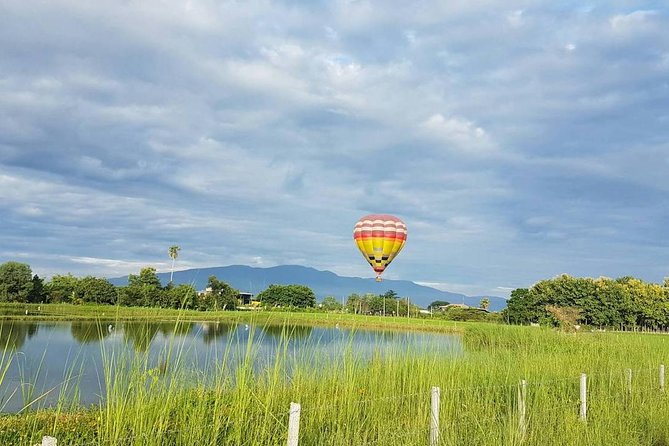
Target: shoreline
pixel 69 312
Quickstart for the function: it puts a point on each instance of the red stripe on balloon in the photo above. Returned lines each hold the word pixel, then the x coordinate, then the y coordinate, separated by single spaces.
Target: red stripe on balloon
pixel 396 236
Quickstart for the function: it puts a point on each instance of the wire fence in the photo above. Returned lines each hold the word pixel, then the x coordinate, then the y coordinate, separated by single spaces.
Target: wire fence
pixel 441 411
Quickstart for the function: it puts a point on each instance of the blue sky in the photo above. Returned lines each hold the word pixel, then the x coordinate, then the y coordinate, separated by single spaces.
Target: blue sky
pixel 517 139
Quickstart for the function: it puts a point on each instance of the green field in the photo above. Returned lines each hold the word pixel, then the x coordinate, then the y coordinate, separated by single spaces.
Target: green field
pixel 382 401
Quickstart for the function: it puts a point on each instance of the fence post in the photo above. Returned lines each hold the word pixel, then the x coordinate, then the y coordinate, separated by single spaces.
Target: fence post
pixel 628 376
pixel 584 394
pixel 661 377
pixel 49 441
pixel 522 395
pixel 434 416
pixel 294 424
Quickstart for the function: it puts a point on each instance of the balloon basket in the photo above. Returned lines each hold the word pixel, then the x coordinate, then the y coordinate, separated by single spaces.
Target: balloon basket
pixel 378 278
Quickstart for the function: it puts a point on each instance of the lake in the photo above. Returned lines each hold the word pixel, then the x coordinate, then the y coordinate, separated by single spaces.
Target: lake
pixel 50 359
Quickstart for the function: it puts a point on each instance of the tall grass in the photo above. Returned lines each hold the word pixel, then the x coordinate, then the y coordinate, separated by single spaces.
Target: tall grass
pixel 348 399
pixel 6 358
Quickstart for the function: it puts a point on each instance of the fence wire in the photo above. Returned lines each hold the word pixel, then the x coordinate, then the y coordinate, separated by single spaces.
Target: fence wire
pixel 454 417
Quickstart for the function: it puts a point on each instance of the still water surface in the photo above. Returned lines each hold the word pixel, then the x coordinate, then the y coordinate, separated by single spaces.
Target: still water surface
pixel 48 358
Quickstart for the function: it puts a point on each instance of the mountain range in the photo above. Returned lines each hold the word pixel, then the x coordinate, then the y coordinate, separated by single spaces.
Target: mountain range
pixel 323 283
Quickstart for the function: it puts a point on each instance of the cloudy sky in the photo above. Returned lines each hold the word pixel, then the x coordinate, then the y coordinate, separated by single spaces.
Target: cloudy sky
pixel 517 139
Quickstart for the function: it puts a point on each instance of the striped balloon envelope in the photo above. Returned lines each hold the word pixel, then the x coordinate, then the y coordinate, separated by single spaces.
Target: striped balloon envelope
pixel 380 238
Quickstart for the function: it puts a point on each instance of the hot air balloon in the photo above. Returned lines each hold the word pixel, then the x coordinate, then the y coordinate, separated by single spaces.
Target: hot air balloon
pixel 380 238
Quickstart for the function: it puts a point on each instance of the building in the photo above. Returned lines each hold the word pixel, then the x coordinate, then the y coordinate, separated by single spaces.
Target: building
pixel 244 298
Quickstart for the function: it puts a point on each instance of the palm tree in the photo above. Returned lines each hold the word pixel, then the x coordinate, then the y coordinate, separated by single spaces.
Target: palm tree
pixel 174 253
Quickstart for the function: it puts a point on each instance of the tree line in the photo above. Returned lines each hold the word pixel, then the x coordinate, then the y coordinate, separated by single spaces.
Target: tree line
pixel 624 302
pixel 369 303
pixel 18 284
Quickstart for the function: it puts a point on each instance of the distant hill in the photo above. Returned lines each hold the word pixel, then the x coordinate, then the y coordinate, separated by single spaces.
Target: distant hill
pixel 324 283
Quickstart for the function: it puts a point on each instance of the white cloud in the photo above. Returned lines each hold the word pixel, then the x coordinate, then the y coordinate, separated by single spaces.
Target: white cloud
pixel 636 20
pixel 30 211
pixel 515 18
pixel 331 33
pixel 461 133
pixel 468 289
pixel 111 263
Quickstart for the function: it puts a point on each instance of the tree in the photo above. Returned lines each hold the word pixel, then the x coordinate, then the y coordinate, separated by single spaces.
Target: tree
pixel 603 302
pixel 437 303
pixel 388 299
pixel 521 308
pixel 95 290
pixel 147 276
pixel 390 294
pixel 331 304
pixel 288 296
pixel 358 304
pixel 375 303
pixel 220 295
pixel 181 296
pixel 37 290
pixel 61 288
pixel 144 289
pixel 174 253
pixel 566 317
pixel 485 303
pixel 16 282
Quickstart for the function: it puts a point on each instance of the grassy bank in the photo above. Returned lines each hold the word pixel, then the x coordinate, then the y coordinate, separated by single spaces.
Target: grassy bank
pixel 382 401
pixel 68 312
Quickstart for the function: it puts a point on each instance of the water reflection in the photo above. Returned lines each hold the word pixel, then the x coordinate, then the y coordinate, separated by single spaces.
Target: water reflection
pixel 14 334
pixel 43 353
pixel 175 329
pixel 139 335
pixel 212 331
pixel 85 332
pixel 287 332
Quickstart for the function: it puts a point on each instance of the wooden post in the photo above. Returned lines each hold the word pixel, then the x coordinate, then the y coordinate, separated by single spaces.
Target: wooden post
pixel 522 408
pixel 434 416
pixel 584 393
pixel 628 379
pixel 294 424
pixel 661 377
